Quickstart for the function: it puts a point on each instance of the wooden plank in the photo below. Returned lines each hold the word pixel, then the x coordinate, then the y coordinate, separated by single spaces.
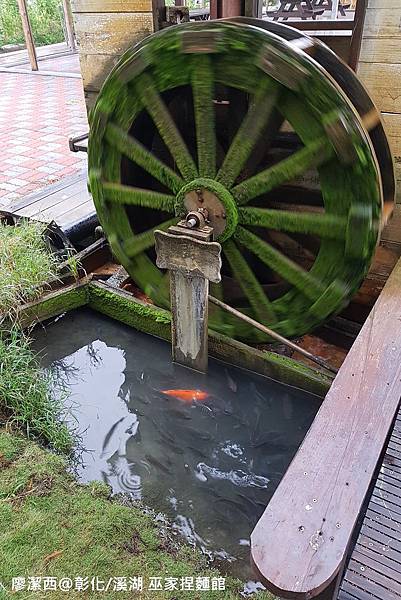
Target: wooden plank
pixel 38 208
pixel 380 512
pixel 381 558
pixel 361 559
pixel 353 593
pixel 383 82
pixel 85 209
pixel 377 589
pixel 95 68
pixel 369 569
pixel 318 501
pixel 392 125
pixel 380 4
pixel 357 33
pixel 111 33
pixel 50 189
pixel 382 23
pixel 381 50
pixel 386 520
pixel 54 304
pixel 391 234
pixel 371 545
pixel 104 6
pixel 57 211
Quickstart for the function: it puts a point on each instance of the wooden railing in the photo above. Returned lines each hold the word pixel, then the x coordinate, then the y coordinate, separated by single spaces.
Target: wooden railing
pixel 301 541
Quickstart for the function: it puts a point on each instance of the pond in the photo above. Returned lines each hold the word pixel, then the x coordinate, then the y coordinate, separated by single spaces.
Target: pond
pixel 207 451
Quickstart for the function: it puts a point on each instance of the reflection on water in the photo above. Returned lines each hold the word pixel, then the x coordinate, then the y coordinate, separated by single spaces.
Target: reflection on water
pixel 210 465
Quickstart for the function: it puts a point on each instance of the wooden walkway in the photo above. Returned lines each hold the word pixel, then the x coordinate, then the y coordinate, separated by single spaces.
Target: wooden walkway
pixel 312 519
pixel 374 569
pixel 66 202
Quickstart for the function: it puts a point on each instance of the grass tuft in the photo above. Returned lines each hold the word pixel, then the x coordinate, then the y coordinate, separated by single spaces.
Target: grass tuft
pixel 26 398
pixel 26 265
pixel 54 527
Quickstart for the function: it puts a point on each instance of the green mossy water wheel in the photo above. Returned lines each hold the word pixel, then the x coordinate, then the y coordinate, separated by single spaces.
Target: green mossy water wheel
pixel 198 111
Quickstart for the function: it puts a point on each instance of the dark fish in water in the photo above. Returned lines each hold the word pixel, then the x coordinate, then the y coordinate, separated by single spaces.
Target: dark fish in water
pixel 179 414
pixel 288 408
pixel 186 395
pixel 155 463
pixel 226 507
pixel 231 383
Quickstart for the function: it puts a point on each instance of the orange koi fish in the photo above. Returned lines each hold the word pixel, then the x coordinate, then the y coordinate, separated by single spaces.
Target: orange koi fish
pixel 186 395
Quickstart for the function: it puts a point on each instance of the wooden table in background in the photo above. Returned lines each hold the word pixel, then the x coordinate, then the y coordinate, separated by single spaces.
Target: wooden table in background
pixel 305 9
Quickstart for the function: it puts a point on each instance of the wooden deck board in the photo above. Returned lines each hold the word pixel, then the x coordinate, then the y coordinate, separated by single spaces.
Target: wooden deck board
pixel 375 563
pixel 65 202
pixel 311 518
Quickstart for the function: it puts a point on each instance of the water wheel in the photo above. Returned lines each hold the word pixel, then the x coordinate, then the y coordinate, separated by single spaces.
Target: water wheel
pixel 246 123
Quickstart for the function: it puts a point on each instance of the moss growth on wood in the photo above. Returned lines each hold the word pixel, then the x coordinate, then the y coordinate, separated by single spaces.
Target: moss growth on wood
pixel 156 321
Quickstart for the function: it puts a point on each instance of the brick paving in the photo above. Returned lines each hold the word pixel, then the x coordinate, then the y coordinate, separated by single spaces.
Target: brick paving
pixel 38 113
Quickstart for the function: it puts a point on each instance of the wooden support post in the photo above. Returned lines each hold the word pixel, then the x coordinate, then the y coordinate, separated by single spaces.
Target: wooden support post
pixel 26 26
pixel 253 8
pixel 189 310
pixel 69 25
pixel 334 9
pixel 193 261
pixel 357 32
pixel 220 9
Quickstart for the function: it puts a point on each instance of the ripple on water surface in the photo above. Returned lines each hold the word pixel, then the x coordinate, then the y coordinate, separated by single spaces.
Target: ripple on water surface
pixel 210 463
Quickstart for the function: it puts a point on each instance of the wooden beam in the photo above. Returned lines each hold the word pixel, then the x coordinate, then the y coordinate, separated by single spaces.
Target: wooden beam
pixel 334 9
pixel 29 41
pixel 159 13
pixel 220 9
pixel 253 8
pixel 301 540
pixel 357 33
pixel 69 25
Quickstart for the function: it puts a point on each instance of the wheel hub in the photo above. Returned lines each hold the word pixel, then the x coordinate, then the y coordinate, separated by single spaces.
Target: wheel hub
pixel 214 200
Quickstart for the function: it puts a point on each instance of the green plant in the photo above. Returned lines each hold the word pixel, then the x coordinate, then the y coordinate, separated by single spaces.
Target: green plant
pixel 25 265
pixel 26 396
pixel 45 18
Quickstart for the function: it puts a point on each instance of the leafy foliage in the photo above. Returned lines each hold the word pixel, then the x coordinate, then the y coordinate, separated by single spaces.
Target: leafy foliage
pixel 45 17
pixel 25 265
pixel 26 397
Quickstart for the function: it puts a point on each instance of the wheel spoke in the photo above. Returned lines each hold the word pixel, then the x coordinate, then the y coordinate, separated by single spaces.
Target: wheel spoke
pixel 136 152
pixel 322 225
pixel 157 109
pixel 279 263
pixel 314 154
pixel 203 93
pixel 251 287
pixel 143 241
pixel 248 133
pixel 125 194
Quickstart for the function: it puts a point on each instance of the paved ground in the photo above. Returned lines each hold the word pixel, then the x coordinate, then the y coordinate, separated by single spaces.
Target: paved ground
pixel 38 113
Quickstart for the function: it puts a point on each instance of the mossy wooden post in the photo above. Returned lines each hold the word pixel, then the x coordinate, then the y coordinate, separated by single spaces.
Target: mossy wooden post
pixel 193 260
pixel 104 29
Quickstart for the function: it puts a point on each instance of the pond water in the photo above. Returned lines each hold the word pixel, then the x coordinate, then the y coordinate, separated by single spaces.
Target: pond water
pixel 210 464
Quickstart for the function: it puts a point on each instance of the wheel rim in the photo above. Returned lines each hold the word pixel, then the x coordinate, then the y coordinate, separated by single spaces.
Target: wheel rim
pixel 160 121
pixel 355 91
